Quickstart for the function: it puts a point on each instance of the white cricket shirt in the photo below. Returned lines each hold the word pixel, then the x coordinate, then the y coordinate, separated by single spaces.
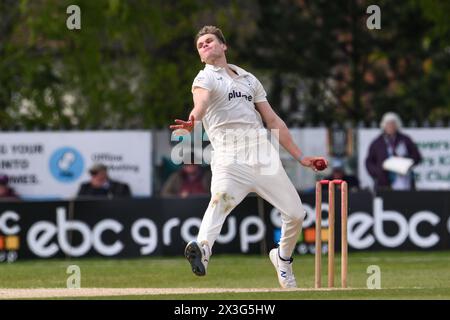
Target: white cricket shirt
pixel 232 101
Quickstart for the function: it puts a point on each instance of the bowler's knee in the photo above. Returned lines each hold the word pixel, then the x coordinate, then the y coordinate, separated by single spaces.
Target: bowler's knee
pixel 223 200
pixel 297 214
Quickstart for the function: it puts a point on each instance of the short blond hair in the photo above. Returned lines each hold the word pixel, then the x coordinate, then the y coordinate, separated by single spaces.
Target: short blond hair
pixel 210 30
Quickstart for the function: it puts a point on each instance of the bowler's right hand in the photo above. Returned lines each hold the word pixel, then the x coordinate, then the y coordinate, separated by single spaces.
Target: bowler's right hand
pixel 184 125
pixel 309 162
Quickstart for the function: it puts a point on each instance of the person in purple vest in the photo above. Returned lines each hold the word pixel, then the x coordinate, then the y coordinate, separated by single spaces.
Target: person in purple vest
pixel 391 142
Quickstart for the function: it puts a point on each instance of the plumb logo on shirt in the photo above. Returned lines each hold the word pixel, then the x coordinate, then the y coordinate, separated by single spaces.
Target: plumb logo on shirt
pixel 234 94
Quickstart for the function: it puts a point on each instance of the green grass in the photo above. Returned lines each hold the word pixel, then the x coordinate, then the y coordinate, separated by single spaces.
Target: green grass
pixel 383 294
pixel 404 275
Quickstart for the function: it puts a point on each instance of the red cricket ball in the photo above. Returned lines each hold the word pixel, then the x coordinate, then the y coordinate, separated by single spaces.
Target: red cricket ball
pixel 320 164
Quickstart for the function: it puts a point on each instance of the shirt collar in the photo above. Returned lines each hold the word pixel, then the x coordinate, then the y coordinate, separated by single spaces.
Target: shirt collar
pixel 213 68
pixel 239 70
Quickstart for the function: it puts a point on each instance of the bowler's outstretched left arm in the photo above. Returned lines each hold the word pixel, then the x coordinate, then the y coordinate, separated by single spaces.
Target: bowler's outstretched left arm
pixel 273 121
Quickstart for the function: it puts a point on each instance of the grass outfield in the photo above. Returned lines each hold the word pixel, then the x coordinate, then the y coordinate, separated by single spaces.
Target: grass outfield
pixel 404 275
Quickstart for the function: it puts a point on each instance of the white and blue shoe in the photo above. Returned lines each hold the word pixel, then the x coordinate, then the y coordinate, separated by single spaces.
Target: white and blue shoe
pixel 283 267
pixel 198 256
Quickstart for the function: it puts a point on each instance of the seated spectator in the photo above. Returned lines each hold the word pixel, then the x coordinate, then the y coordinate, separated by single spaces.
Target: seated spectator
pixel 340 174
pixel 191 179
pixel 103 186
pixel 6 192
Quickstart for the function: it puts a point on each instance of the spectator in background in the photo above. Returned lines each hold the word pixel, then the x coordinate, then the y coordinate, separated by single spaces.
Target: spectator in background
pixel 391 142
pixel 101 185
pixel 191 179
pixel 6 192
pixel 340 174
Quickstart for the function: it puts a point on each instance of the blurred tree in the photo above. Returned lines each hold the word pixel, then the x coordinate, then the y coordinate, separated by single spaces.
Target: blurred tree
pixel 325 65
pixel 437 11
pixel 409 67
pixel 131 64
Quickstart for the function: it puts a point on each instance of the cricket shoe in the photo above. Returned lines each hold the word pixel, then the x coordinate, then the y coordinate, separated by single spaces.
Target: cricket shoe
pixel 283 267
pixel 198 256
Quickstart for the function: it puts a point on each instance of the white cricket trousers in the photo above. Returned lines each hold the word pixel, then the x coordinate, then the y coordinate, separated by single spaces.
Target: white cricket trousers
pixel 232 182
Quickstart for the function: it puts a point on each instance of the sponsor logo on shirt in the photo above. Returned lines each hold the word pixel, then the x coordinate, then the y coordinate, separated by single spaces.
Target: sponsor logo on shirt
pixel 237 94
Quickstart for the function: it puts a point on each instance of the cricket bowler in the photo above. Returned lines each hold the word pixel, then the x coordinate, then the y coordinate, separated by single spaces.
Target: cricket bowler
pixel 228 99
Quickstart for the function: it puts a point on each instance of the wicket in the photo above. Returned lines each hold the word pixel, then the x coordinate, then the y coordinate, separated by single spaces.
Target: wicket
pixel 331 241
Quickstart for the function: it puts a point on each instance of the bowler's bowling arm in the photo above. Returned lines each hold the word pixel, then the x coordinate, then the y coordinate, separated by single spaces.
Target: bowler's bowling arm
pixel 273 121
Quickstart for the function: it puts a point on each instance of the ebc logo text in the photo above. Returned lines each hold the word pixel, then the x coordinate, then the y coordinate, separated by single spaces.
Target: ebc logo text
pixel 66 164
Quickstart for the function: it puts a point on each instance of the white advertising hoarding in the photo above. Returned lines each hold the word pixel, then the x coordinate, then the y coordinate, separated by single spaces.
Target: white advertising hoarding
pixel 312 142
pixel 434 145
pixel 52 165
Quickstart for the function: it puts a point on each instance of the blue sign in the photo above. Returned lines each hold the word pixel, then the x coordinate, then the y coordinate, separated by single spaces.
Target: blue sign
pixel 66 164
pixel 276 235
